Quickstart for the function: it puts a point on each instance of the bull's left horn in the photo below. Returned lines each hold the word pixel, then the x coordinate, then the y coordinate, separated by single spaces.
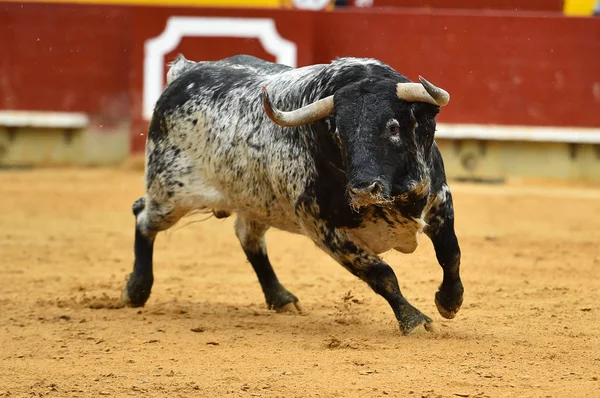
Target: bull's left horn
pixel 422 92
pixel 299 117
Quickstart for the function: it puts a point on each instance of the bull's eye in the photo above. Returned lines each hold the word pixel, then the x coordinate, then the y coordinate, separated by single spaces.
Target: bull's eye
pixel 393 128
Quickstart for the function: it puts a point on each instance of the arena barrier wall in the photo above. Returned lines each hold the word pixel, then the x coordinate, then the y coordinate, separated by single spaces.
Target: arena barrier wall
pixel 513 77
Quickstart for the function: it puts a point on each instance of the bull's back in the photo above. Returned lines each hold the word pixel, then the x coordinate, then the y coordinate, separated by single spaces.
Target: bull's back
pixel 257 63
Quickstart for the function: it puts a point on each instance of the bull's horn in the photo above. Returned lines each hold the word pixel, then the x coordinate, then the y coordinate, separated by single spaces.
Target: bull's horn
pixel 422 92
pixel 299 117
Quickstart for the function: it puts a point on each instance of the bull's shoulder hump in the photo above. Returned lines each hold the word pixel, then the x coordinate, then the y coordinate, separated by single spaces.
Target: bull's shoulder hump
pixel 207 79
pixel 232 72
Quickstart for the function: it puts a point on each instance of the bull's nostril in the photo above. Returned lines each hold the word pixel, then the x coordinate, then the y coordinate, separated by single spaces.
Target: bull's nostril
pixel 366 193
pixel 375 188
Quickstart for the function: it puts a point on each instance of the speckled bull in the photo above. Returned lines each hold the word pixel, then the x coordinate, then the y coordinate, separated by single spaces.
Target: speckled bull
pixel 343 153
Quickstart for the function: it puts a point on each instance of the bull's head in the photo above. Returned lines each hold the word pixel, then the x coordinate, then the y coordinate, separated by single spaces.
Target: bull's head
pixel 386 131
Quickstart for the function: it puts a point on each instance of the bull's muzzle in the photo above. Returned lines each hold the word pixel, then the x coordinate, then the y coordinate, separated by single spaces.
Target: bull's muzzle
pixel 366 194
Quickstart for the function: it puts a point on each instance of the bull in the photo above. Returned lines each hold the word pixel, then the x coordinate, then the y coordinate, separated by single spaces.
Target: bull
pixel 343 153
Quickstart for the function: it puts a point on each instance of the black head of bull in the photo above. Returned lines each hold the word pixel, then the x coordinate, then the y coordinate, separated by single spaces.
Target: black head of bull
pixel 386 131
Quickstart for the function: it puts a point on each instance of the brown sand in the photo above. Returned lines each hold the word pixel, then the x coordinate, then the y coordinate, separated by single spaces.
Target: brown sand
pixel 529 326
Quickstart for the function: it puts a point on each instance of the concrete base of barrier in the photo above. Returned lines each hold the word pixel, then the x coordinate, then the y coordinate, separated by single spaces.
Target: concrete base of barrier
pixel 59 139
pixel 480 160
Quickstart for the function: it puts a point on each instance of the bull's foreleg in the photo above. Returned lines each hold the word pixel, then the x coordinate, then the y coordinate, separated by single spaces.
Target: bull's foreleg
pixel 365 264
pixel 149 220
pixel 440 230
pixel 252 237
pixel 377 274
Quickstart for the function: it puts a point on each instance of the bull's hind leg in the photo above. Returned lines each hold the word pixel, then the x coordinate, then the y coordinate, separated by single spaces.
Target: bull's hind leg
pixel 440 230
pixel 252 237
pixel 150 219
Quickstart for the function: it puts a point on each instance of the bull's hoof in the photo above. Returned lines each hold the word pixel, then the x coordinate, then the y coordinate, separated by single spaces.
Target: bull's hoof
pixel 412 320
pixel 293 308
pixel 281 300
pixel 446 313
pixel 136 291
pixel 449 301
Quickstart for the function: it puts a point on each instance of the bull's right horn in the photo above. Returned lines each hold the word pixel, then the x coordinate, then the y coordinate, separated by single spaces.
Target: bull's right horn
pixel 422 92
pixel 299 117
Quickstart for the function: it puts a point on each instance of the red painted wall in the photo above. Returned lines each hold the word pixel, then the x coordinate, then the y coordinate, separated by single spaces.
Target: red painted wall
pixel 65 58
pixel 531 70
pixel 500 67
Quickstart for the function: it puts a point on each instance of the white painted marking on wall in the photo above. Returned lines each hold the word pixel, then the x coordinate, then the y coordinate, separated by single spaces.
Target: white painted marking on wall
pixel 263 29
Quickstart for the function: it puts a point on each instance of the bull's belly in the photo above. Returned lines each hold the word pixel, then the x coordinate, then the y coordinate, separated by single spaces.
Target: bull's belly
pixel 279 220
pixel 380 237
pixel 280 216
pixel 236 200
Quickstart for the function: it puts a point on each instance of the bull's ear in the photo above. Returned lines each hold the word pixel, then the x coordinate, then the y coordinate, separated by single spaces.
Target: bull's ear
pixel 330 123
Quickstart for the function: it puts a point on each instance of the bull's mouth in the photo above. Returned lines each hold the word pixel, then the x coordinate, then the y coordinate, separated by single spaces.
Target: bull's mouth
pixel 357 202
pixel 404 199
pixel 364 198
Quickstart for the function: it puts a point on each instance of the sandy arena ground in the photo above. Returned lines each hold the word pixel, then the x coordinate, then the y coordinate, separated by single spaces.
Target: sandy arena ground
pixel 529 326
